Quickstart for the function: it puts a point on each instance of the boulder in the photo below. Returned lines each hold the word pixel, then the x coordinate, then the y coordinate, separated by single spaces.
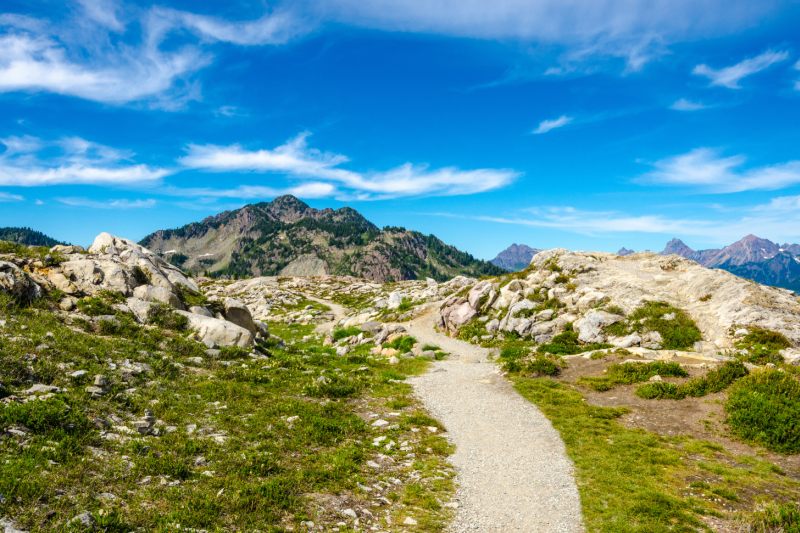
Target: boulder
pixel 17 283
pixel 61 282
pixel 523 326
pixel 461 315
pixel 149 293
pixel 626 342
pixel 653 341
pixel 141 309
pixel 590 299
pixel 238 313
pixel 394 301
pixel 91 276
pixel 355 321
pixel 519 306
pixel 591 326
pixel 476 292
pixel 262 329
pixel 492 326
pixel 200 310
pixel 372 327
pixel 222 332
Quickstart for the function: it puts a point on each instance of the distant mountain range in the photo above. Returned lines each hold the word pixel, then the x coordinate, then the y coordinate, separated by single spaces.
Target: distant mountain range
pixel 624 251
pixel 752 257
pixel 28 237
pixel 287 237
pixel 515 257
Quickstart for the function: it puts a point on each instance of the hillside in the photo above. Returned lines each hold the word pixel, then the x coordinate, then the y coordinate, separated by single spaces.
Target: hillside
pixel 288 237
pixel 27 236
pixel 515 257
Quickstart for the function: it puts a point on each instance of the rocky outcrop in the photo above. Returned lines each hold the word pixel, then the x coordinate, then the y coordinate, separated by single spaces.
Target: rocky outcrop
pixel 221 332
pixel 585 286
pixel 17 283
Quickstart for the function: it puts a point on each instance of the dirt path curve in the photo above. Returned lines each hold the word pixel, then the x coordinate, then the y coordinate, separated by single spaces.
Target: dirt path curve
pixel 513 470
pixel 338 313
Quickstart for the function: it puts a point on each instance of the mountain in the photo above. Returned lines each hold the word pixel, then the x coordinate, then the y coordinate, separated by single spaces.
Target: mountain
pixel 624 251
pixel 288 237
pixel 515 257
pixel 781 270
pixel 27 236
pixel 751 249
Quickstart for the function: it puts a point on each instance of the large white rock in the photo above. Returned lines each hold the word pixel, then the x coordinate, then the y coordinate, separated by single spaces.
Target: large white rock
pixel 462 314
pixel 149 293
pixel 238 313
pixel 591 326
pixel 590 299
pixel 222 332
pixel 394 301
pixel 200 310
pixel 141 309
pixel 92 276
pixel 476 292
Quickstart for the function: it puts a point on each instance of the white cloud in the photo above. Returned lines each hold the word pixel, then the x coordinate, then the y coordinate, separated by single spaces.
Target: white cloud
pixel 77 161
pixel 108 204
pixel 39 202
pixel 547 125
pixel 276 28
pixel 687 105
pixel 227 110
pixel 296 160
pixel 79 57
pixel 637 30
pixel 704 168
pixel 7 197
pixel 730 76
pixel 302 190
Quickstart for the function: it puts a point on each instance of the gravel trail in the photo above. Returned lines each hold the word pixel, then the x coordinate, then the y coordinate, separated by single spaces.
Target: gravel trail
pixel 513 470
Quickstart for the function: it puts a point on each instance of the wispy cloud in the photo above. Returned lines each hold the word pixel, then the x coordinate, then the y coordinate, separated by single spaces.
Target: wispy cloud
pixel 69 160
pixel 80 57
pixel 107 204
pixel 797 83
pixel 704 168
pixel 296 160
pixel 547 125
pixel 301 190
pixel 730 76
pixel 687 105
pixel 7 197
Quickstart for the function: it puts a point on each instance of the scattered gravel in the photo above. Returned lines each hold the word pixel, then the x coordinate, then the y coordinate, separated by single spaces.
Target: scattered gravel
pixel 513 470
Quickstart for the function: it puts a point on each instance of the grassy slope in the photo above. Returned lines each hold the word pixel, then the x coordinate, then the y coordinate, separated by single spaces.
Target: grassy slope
pixel 261 470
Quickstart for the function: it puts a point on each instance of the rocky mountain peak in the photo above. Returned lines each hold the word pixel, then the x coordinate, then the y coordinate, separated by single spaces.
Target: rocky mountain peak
pixel 676 246
pixel 515 257
pixel 624 251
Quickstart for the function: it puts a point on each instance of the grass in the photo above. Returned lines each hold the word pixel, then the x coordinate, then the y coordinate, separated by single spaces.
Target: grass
pixel 764 408
pixel 340 334
pixel 567 344
pixel 627 373
pixel 634 481
pixel 402 344
pixel 516 359
pixel 714 381
pixel 773 518
pixel 676 327
pixel 762 346
pixel 266 469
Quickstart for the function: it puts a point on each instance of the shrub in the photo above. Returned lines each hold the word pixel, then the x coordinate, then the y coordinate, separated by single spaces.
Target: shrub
pixel 615 310
pixel 762 346
pixel 340 334
pixel 40 416
pixel 765 408
pixel 162 316
pixel 627 373
pixel 567 344
pixel 335 387
pixel 405 305
pixel 561 279
pixel 714 381
pixel 774 518
pixel 94 306
pixel 678 332
pixel 705 298
pixel 402 344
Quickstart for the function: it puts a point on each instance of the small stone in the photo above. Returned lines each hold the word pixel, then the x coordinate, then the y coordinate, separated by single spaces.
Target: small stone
pixel 409 521
pixel 373 464
pixel 393 360
pixel 78 374
pixel 380 423
pixel 656 378
pixel 8 525
pixel 100 381
pixel 210 344
pixel 86 519
pixel 349 512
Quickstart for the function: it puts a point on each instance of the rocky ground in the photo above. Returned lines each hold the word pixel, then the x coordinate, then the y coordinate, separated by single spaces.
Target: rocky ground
pixel 593 323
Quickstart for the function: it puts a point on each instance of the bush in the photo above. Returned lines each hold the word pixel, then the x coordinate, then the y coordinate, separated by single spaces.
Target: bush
pixel 774 518
pixel 340 334
pixel 335 387
pixel 39 416
pixel 405 305
pixel 567 344
pixel 764 408
pixel 402 344
pixel 762 346
pixel 715 381
pixel 678 332
pixel 163 317
pixel 94 306
pixel 627 373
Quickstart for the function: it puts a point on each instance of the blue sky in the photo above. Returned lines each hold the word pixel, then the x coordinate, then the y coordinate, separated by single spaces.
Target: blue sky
pixel 582 124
